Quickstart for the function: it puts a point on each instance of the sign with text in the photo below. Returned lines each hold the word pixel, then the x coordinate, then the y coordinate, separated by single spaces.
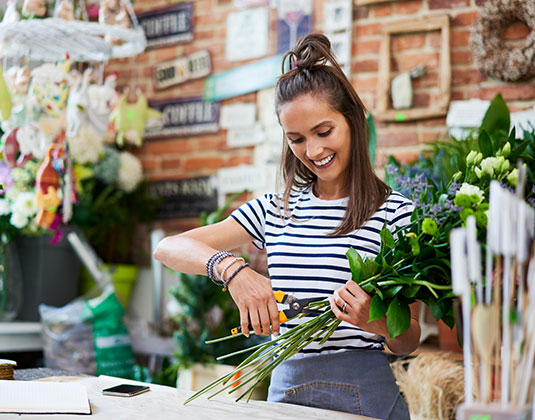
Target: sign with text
pixel 247 34
pixel 184 197
pixel 294 21
pixel 170 25
pixel 239 178
pixel 184 117
pixel 244 79
pixel 183 69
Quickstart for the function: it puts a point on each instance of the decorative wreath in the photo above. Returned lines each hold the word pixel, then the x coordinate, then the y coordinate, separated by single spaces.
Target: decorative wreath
pixel 492 56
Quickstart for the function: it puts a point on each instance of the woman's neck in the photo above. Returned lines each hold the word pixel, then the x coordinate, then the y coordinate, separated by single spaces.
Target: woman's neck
pixel 329 192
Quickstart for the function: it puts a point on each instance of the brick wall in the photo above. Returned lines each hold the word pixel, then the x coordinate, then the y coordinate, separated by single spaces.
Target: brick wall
pixel 205 154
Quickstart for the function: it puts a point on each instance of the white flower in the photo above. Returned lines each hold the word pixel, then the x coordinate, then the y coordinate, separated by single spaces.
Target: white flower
pixel 173 308
pixel 488 165
pixel 86 146
pixel 130 172
pixel 471 190
pixel 4 207
pixel 20 176
pixel 25 204
pixel 18 220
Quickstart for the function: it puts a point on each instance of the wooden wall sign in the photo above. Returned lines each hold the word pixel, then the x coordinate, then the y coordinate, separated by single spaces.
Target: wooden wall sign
pixel 183 69
pixel 184 197
pixel 434 23
pixel 184 117
pixel 170 25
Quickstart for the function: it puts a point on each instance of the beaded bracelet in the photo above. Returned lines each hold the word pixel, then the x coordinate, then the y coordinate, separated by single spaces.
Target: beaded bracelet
pixel 212 263
pixel 226 283
pixel 227 266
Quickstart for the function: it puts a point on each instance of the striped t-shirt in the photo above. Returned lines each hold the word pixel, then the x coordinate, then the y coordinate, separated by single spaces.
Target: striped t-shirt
pixel 304 261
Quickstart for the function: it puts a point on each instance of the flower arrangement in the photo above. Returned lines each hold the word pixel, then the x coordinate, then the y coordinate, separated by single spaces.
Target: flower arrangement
pixel 416 266
pixel 59 161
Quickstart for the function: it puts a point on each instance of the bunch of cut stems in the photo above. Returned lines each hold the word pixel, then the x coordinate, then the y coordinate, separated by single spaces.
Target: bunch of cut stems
pixel 268 355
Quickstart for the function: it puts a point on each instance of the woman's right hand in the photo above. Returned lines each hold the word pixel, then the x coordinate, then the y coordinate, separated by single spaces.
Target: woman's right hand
pixel 254 297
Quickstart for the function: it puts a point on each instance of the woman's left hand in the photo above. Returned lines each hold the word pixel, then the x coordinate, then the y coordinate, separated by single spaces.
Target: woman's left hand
pixel 352 304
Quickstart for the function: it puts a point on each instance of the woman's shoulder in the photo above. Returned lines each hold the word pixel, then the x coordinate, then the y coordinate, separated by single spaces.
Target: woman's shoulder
pixel 396 200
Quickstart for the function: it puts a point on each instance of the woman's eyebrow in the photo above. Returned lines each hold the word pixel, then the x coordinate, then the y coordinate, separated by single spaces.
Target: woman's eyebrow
pixel 313 128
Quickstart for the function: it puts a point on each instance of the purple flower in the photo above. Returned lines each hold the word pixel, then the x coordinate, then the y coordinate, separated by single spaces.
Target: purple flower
pixel 5 176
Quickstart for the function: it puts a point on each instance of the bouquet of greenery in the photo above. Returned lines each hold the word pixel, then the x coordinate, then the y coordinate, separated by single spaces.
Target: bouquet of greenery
pixel 416 266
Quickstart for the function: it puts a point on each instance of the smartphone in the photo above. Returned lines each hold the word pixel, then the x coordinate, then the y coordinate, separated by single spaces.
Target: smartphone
pixel 125 390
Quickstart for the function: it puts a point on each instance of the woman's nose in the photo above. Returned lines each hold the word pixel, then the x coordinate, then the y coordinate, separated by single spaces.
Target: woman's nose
pixel 314 149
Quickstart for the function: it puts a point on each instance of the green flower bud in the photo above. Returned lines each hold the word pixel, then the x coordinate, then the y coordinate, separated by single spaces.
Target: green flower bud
pixel 457 175
pixel 506 150
pixel 481 219
pixel 471 157
pixel 513 177
pixel 478 172
pixel 465 213
pixel 505 166
pixel 462 200
pixel 429 226
pixel 478 159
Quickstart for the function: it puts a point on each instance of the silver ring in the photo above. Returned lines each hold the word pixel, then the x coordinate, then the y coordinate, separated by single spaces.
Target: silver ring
pixel 344 307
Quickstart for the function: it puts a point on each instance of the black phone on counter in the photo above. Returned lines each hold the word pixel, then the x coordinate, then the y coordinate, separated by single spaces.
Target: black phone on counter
pixel 125 390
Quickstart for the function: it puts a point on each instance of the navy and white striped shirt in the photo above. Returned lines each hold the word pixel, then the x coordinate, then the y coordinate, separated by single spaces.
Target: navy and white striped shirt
pixel 304 261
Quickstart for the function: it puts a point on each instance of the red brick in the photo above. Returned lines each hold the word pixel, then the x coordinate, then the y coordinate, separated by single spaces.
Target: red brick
pixel 458 95
pixel 172 163
pixel 407 42
pixel 434 122
pixel 480 2
pixel 149 164
pixel 167 147
pixel 396 139
pixel 165 54
pixel 465 19
pixel 461 57
pixel 204 163
pixel 365 85
pixel 447 4
pixel 239 160
pixel 408 7
pixel 435 39
pixel 365 66
pixel 367 29
pixel 409 61
pixel 429 79
pixel 361 12
pixel 381 10
pixel 142 58
pixel 210 143
pixel 460 38
pixel 421 100
pixel 509 92
pixel 518 30
pixel 366 47
pixel 430 136
pixel 467 77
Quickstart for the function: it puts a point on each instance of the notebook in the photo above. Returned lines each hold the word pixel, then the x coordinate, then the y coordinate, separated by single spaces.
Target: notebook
pixel 31 397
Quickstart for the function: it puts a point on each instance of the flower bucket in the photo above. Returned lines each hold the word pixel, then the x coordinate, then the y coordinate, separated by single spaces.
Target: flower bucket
pixel 123 276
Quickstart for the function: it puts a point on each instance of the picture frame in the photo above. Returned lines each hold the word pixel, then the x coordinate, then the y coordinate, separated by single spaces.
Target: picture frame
pixel 428 24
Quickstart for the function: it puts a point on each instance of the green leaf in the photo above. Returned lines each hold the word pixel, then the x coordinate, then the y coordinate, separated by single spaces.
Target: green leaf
pixel 410 292
pixel 438 308
pixel 392 291
pixel 497 117
pixel 415 246
pixel 485 144
pixel 368 288
pixel 378 308
pixel 387 238
pixel 356 264
pixel 398 317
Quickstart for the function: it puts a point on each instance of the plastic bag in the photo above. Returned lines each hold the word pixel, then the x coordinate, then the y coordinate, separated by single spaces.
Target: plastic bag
pixel 88 336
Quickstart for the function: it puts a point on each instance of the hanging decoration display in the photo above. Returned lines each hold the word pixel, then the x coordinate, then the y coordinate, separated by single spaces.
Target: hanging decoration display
pixel 492 56
pixel 294 20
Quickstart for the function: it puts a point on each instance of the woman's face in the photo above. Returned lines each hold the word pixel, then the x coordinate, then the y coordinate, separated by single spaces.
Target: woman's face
pixel 320 137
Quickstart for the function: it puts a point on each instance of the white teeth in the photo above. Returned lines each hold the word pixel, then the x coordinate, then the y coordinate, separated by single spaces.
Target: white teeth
pixel 324 161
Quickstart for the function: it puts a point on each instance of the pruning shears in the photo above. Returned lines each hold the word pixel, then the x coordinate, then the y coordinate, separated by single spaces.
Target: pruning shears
pixel 296 307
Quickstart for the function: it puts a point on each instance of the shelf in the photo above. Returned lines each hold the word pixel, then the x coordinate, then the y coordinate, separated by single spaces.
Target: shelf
pixel 20 336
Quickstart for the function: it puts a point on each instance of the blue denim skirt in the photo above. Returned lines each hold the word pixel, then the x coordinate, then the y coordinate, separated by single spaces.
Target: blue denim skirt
pixel 359 382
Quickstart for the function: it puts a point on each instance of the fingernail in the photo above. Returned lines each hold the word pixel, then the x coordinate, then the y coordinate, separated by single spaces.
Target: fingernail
pixel 276 333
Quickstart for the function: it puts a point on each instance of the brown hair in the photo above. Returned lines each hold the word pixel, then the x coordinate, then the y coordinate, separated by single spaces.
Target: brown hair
pixel 314 70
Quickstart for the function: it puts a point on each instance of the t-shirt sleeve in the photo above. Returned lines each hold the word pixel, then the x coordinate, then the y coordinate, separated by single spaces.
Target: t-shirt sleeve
pixel 252 217
pixel 403 208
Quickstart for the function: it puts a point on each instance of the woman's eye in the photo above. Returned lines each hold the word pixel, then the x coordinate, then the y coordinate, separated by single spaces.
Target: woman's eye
pixel 325 133
pixel 295 141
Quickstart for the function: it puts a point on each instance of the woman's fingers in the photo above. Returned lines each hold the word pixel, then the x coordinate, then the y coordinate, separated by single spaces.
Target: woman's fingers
pixel 244 321
pixel 274 316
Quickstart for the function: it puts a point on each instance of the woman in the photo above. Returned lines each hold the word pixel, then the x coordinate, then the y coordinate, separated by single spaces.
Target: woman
pixel 332 200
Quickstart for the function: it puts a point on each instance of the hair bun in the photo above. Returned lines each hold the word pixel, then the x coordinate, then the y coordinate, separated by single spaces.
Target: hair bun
pixel 313 50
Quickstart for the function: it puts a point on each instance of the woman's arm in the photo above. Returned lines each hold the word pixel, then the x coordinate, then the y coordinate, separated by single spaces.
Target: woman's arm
pixel 357 313
pixel 188 252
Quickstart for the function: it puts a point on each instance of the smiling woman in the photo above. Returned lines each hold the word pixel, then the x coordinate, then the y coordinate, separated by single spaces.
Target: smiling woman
pixel 332 201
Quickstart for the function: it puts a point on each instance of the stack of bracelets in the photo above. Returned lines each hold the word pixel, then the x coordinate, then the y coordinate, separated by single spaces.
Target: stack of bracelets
pixel 213 262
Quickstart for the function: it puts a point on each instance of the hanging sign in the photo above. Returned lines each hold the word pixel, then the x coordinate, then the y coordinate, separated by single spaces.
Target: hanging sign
pixel 239 178
pixel 183 69
pixel 241 80
pixel 170 25
pixel 294 20
pixel 184 197
pixel 184 117
pixel 247 34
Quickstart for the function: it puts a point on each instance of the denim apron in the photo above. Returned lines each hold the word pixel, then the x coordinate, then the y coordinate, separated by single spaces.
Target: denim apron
pixel 358 381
